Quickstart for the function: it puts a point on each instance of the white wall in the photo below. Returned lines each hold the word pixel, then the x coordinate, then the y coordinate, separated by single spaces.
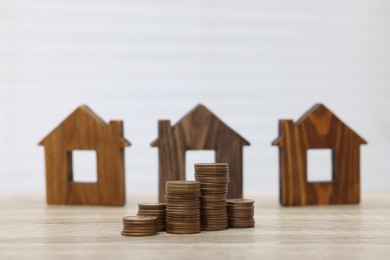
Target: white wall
pixel 252 62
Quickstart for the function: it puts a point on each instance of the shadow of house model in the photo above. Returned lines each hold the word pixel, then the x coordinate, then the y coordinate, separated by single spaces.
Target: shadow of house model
pixel 319 128
pixel 84 130
pixel 200 129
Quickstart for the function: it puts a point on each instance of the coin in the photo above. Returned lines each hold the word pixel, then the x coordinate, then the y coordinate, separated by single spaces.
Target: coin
pixel 213 178
pixel 240 213
pixel 139 225
pixel 182 207
pixel 155 210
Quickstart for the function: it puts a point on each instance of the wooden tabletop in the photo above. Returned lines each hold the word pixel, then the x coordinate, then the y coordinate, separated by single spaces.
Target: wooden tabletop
pixel 30 229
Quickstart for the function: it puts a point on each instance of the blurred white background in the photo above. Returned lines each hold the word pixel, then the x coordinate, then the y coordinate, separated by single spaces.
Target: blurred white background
pixel 251 62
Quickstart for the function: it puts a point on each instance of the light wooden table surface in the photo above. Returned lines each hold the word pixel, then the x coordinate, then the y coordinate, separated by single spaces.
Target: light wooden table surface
pixel 30 229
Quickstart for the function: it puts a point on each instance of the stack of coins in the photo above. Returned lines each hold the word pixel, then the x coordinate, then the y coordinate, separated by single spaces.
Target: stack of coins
pixel 139 226
pixel 214 179
pixel 155 210
pixel 182 207
pixel 240 213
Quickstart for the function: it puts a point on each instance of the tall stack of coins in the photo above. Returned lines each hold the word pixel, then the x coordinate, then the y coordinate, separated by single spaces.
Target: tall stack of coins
pixel 214 179
pixel 241 212
pixel 155 210
pixel 139 226
pixel 182 207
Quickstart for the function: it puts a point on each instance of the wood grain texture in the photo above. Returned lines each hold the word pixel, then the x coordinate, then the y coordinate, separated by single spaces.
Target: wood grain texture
pixel 200 129
pixel 319 128
pixel 30 229
pixel 84 130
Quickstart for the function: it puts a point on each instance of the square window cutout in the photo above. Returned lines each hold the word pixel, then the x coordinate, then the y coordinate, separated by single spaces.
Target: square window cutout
pixel 319 165
pixel 197 156
pixel 84 166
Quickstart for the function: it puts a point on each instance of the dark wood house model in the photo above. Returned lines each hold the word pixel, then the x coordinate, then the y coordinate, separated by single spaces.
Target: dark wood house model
pixel 319 128
pixel 200 129
pixel 84 130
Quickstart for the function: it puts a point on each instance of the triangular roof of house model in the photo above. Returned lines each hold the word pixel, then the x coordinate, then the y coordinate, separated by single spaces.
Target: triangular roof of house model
pixel 84 111
pixel 206 113
pixel 317 113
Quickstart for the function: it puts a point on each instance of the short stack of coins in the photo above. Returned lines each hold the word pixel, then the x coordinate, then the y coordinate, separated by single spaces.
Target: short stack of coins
pixel 155 210
pixel 214 179
pixel 139 226
pixel 240 213
pixel 182 207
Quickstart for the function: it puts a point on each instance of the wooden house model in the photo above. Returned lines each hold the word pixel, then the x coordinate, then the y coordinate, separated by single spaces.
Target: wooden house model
pixel 84 130
pixel 319 128
pixel 200 129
